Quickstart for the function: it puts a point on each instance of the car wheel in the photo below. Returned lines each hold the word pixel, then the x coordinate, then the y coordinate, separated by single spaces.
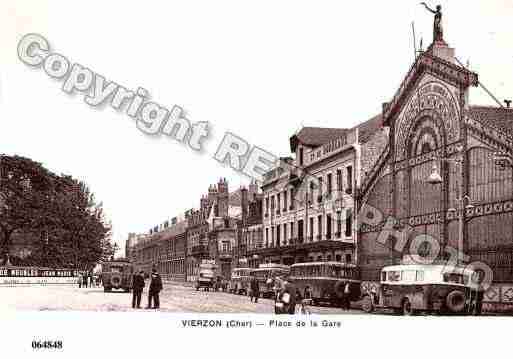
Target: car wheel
pixel 367 305
pixel 407 308
pixel 455 301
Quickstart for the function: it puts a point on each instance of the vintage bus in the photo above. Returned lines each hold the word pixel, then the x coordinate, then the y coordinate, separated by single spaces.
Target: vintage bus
pixel 117 274
pixel 438 288
pixel 266 273
pixel 240 281
pixel 209 276
pixel 326 282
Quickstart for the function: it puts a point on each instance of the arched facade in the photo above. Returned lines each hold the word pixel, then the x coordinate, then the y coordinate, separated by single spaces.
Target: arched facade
pixel 432 125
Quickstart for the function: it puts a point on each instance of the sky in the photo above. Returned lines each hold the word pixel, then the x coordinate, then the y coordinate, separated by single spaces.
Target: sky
pixel 260 70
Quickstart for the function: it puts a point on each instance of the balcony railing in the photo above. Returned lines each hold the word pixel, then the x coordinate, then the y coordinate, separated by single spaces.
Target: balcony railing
pixel 199 249
pixel 224 254
pixel 300 245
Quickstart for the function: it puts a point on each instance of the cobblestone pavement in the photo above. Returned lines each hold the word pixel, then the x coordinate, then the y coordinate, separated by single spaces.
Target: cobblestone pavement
pixel 174 298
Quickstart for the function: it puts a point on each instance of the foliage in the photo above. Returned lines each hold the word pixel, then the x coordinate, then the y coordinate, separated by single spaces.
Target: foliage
pixel 57 215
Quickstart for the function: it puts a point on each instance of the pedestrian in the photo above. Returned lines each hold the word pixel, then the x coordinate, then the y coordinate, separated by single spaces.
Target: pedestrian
pixel 137 289
pixel 347 296
pixel 286 295
pixel 290 288
pixel 79 278
pixel 254 289
pixel 84 280
pixel 91 283
pixel 308 292
pixel 154 290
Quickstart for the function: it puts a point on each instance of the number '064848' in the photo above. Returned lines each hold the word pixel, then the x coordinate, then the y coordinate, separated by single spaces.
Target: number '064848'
pixel 46 344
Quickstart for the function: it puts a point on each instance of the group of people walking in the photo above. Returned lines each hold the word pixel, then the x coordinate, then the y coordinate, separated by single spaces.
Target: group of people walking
pixel 88 280
pixel 153 291
pixel 284 293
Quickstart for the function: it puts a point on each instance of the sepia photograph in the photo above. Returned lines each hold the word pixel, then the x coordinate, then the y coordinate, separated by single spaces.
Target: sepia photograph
pixel 176 173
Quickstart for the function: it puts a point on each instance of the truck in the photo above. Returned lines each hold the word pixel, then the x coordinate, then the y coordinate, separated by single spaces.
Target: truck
pixel 117 274
pixel 209 276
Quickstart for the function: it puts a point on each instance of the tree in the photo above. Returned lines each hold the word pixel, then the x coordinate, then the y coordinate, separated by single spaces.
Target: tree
pixel 59 213
pixel 86 239
pixel 25 190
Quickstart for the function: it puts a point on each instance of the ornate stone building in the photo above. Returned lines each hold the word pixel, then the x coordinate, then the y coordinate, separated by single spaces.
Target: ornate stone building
pixel 215 228
pixel 437 175
pixel 251 238
pixel 308 207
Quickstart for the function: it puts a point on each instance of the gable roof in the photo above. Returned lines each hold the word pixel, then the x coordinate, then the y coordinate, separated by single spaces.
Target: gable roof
pixel 315 136
pixel 368 128
pixel 500 118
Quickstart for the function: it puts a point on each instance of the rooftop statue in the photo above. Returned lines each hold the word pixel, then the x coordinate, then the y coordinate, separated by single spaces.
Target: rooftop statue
pixel 438 32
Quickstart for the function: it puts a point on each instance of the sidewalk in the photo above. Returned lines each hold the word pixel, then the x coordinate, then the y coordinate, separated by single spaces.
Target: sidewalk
pixel 177 283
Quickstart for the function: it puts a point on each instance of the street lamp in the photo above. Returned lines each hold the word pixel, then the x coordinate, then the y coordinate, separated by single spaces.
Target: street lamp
pixel 502 160
pixel 436 178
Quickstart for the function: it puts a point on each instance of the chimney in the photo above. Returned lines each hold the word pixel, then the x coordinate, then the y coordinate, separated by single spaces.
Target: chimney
pixel 508 103
pixel 244 204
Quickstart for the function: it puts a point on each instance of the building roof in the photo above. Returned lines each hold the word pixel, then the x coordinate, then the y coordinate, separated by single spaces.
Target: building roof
pixel 315 136
pixel 172 231
pixel 235 198
pixel 499 118
pixel 368 128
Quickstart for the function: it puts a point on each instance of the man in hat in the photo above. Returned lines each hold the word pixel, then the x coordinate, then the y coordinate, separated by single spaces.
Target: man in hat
pixel 254 289
pixel 155 288
pixel 286 294
pixel 137 288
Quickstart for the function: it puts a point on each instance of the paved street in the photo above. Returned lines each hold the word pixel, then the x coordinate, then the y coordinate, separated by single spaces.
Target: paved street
pixel 174 298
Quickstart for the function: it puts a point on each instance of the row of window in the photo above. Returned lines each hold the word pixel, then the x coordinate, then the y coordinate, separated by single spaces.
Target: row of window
pixel 322 270
pixel 346 258
pixel 273 234
pixel 174 267
pixel 274 202
pixel 329 258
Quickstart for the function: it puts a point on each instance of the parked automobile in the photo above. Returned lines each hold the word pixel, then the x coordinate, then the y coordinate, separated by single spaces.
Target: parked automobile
pixel 326 282
pixel 240 281
pixel 117 274
pixel 208 275
pixel 221 284
pixel 438 288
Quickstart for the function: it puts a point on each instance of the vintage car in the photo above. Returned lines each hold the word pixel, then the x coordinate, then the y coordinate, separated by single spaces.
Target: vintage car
pixel 208 277
pixel 437 288
pixel 240 281
pixel 117 274
pixel 266 274
pixel 326 282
